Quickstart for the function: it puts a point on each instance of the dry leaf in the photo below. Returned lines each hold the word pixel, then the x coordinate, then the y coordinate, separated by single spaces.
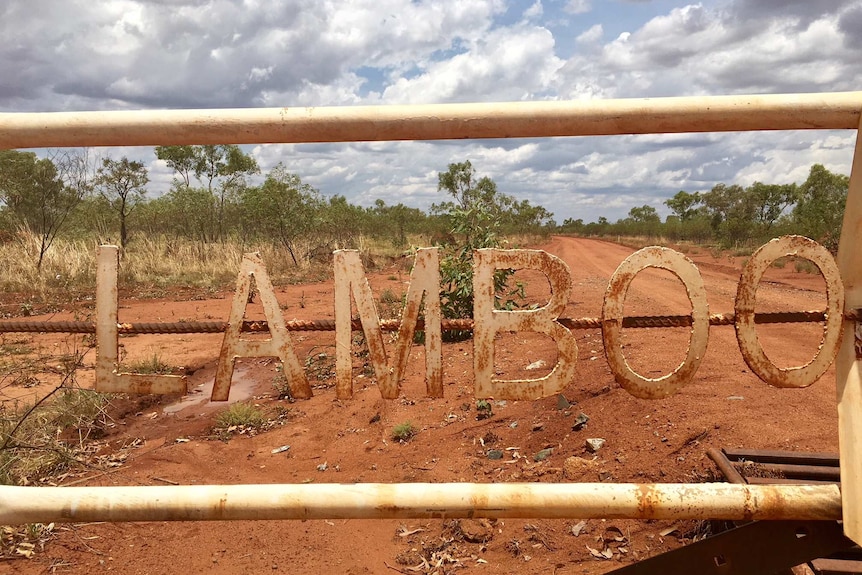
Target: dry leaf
pixel 576 529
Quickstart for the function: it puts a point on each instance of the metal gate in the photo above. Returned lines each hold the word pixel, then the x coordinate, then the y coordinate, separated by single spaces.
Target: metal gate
pixel 842 335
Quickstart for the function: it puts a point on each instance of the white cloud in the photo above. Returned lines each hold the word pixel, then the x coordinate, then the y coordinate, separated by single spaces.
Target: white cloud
pixel 506 64
pixel 592 35
pixel 578 6
pixel 121 54
pixel 535 11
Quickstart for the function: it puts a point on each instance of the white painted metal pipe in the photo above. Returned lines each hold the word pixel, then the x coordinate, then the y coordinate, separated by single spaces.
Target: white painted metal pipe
pixel 418 500
pixel 839 110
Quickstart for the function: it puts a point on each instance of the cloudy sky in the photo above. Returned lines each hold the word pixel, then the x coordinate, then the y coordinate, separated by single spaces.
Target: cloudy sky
pixel 63 55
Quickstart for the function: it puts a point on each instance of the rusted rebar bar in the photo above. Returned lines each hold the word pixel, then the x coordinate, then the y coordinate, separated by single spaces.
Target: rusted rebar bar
pixel 30 326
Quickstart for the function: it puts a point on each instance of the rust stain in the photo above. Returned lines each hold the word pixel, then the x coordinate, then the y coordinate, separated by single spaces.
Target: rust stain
pixel 424 286
pixel 220 509
pixel 748 506
pixel 488 322
pixel 649 501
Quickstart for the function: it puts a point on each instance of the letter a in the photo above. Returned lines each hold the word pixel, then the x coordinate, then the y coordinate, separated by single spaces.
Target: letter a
pixel 279 345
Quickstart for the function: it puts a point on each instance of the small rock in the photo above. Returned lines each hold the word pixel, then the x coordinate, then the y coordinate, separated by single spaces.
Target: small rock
pixel 595 443
pixel 538 426
pixel 537 365
pixel 581 420
pixel 735 398
pixel 375 419
pixel 562 402
pixel 513 425
pixel 323 466
pixel 543 454
pixel 495 454
pixel 281 449
pixel 605 476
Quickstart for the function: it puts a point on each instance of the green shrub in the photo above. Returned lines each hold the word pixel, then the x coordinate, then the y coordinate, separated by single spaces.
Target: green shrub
pixel 152 364
pixel 241 415
pixel 404 432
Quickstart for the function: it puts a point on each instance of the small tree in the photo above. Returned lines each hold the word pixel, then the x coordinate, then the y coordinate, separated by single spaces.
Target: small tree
pixel 283 208
pixel 122 183
pixel 684 205
pixel 820 206
pixel 41 193
pixel 475 218
pixel 221 169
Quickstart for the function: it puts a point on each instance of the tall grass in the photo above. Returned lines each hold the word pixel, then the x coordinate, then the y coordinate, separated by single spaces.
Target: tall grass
pixel 67 264
pixel 70 265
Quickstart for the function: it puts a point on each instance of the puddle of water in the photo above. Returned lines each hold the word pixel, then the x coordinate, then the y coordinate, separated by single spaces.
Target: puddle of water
pixel 241 388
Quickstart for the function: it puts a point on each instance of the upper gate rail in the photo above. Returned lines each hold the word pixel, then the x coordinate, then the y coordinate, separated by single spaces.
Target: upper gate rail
pixel 839 110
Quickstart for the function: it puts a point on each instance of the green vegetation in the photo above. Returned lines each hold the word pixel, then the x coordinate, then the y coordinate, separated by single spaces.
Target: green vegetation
pixel 44 439
pixel 404 432
pixel 241 414
pixel 54 210
pixel 151 364
pixel 735 217
pixel 476 219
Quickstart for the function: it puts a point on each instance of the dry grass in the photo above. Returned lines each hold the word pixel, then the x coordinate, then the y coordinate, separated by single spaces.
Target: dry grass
pixel 70 265
pixel 41 440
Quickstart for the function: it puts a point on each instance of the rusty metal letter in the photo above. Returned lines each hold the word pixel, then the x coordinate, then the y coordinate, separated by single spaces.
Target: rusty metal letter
pixel 489 321
pixel 746 294
pixel 108 378
pixel 612 321
pixel 424 280
pixel 279 345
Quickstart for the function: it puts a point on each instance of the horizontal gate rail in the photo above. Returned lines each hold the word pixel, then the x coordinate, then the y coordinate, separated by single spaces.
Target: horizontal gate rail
pixel 839 110
pixel 420 500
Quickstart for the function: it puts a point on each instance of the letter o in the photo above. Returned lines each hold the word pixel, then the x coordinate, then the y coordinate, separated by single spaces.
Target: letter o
pixel 612 319
pixel 746 295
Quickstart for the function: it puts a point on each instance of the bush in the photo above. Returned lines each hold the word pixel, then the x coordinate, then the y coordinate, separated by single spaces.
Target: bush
pixel 404 432
pixel 32 446
pixel 241 415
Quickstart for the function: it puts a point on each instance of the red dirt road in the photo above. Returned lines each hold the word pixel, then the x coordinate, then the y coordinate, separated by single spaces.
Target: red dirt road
pixel 647 441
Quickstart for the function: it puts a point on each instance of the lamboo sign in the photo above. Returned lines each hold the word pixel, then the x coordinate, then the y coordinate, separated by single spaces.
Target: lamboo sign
pixel 351 285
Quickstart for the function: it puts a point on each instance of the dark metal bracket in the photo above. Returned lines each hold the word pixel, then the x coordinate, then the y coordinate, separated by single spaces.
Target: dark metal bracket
pixel 757 548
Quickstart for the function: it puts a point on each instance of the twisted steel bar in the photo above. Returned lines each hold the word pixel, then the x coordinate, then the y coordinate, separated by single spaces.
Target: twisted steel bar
pixel 654 321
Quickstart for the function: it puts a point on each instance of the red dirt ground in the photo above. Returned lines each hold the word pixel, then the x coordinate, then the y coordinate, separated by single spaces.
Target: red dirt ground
pixel 647 441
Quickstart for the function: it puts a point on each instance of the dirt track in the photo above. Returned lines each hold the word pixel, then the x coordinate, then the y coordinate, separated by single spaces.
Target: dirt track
pixel 725 406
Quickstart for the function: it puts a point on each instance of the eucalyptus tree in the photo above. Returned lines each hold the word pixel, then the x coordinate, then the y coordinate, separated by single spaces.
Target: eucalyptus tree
pixel 40 193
